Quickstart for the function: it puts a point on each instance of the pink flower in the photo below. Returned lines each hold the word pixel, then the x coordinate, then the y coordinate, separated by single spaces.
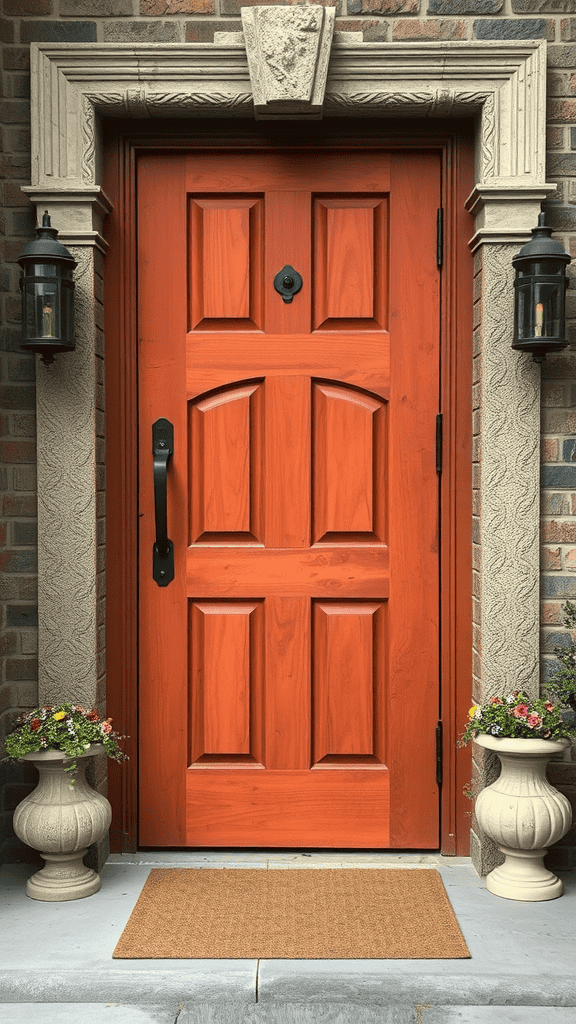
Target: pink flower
pixel 106 727
pixel 533 720
pixel 520 711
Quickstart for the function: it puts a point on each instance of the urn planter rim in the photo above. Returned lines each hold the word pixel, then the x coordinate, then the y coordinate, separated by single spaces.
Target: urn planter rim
pixel 59 755
pixel 521 744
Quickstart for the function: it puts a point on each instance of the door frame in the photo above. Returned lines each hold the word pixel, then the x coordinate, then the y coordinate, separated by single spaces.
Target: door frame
pixel 455 144
pixel 501 85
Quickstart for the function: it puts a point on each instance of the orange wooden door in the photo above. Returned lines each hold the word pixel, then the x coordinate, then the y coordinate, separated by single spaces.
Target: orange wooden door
pixel 289 672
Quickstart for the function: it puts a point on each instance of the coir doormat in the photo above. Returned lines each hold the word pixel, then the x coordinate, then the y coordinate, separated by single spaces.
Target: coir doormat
pixel 308 914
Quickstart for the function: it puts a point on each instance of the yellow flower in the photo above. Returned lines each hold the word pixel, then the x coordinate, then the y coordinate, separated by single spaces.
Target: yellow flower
pixel 472 711
pixel 59 715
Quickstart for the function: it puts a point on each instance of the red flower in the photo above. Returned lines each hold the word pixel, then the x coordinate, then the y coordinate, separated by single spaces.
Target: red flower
pixel 548 706
pixel 35 724
pixel 533 721
pixel 92 716
pixel 496 700
pixel 520 711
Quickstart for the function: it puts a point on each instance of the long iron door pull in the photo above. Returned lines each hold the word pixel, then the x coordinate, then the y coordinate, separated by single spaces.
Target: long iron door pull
pixel 163 550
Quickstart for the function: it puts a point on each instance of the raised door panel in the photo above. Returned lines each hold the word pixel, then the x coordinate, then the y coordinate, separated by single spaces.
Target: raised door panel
pixel 226 466
pixel 226 253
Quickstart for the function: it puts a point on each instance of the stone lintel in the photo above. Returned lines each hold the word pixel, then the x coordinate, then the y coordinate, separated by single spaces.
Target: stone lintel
pixel 288 50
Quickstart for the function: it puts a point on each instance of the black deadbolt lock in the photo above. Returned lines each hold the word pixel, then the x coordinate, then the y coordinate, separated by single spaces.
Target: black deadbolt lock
pixel 288 282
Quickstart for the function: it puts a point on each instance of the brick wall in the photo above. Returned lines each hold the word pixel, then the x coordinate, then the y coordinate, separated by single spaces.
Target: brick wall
pixel 24 21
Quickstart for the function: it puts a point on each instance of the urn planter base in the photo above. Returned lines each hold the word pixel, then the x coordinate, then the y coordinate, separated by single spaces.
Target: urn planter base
pixel 64 877
pixel 61 821
pixel 523 814
pixel 523 876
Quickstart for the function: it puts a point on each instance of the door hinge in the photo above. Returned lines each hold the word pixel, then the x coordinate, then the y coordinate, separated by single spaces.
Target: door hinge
pixel 439 441
pixel 440 238
pixel 439 754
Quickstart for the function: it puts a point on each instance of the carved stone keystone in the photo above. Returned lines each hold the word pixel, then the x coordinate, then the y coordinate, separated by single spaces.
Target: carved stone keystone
pixel 288 50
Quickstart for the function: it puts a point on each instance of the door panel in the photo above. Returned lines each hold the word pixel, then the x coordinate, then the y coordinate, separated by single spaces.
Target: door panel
pixel 289 673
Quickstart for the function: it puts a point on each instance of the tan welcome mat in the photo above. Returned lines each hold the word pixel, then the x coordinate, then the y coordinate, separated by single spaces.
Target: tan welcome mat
pixel 307 914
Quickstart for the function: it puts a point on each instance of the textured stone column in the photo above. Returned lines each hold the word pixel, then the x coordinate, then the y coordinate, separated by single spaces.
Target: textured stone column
pixel 70 486
pixel 506 506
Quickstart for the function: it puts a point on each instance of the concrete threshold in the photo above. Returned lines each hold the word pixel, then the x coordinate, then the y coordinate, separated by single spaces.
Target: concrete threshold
pixel 57 965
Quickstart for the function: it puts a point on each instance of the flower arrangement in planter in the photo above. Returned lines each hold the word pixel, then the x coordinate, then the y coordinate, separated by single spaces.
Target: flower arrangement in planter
pixel 517 716
pixel 68 728
pixel 521 811
pixel 63 816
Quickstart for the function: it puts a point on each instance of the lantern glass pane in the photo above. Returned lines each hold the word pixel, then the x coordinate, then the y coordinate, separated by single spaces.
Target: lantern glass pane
pixel 538 310
pixel 42 310
pixel 67 313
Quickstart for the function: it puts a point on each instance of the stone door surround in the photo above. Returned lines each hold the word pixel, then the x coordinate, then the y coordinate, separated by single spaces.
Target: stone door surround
pixel 501 85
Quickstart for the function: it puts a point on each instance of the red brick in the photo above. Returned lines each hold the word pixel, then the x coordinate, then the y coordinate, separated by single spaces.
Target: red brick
pixel 570 561
pixel 14 196
pixel 17 451
pixel 431 29
pixel 562 110
pixel 20 505
pixel 551 613
pixel 372 30
pixel 555 138
pixel 550 449
pixel 551 559
pixel 20 668
pixel 8 643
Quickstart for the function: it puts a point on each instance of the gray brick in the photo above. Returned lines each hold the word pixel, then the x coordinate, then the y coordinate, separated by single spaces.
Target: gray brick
pixel 558 476
pixel 25 534
pixel 543 6
pixel 57 32
pixel 569 450
pixel 96 8
pixel 562 164
pixel 203 31
pixel 506 28
pixel 562 56
pixel 561 587
pixel 465 6
pixel 553 641
pixel 562 218
pixel 22 616
pixel 143 32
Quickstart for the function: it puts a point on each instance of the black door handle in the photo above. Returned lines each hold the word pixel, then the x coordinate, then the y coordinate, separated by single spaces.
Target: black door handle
pixel 163 550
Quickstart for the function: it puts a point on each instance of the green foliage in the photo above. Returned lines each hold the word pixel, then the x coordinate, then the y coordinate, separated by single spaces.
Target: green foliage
pixel 517 716
pixel 66 727
pixel 562 682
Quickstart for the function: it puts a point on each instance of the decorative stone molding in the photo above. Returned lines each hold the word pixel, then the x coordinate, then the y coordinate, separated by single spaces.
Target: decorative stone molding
pixel 509 395
pixel 67 509
pixel 499 84
pixel 288 50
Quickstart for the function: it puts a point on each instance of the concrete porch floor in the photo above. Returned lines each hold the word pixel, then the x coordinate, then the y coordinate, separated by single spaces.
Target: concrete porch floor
pixel 57 966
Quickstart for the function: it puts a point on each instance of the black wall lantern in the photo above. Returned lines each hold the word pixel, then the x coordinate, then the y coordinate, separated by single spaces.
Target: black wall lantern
pixel 540 294
pixel 47 294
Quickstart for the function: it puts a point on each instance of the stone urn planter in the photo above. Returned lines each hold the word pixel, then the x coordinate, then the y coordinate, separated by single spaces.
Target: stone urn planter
pixel 61 821
pixel 524 814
